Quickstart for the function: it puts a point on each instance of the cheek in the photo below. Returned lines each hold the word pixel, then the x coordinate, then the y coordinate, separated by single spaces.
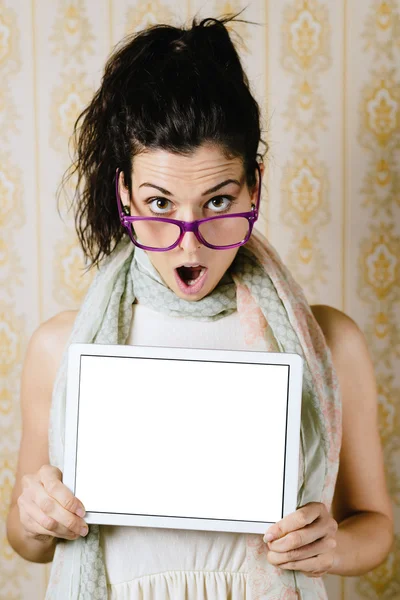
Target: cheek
pixel 158 260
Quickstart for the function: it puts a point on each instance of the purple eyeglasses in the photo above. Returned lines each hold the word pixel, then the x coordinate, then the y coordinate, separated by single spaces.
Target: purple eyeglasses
pixel 160 234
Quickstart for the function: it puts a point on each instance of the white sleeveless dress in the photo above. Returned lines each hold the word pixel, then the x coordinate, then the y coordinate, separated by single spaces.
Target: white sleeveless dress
pixel 174 564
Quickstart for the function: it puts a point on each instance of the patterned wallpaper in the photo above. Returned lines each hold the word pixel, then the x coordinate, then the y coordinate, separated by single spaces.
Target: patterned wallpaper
pixel 327 76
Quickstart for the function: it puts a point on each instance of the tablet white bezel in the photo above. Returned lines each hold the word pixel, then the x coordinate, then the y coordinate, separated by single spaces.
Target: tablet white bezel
pixel 295 363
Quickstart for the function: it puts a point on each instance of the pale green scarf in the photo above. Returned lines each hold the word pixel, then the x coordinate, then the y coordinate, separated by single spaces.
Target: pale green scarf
pixel 261 288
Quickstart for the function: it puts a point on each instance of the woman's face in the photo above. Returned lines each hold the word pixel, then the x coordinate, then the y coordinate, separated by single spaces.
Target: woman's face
pixel 191 269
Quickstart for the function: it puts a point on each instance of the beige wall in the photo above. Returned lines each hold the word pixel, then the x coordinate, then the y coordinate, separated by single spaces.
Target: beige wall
pixel 327 74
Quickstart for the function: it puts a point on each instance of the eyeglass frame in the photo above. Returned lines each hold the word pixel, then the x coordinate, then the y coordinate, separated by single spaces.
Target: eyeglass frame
pixel 187 226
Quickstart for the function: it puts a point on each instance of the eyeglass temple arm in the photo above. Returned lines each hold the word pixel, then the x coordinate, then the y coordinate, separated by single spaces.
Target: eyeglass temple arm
pixel 259 187
pixel 122 210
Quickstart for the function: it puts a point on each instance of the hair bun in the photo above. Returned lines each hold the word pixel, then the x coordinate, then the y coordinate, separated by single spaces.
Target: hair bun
pixel 210 40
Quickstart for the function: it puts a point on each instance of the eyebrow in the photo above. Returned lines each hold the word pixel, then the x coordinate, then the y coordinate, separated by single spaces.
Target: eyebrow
pixel 210 191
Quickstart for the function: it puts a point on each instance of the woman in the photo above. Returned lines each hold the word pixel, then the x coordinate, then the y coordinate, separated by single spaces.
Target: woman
pixel 175 128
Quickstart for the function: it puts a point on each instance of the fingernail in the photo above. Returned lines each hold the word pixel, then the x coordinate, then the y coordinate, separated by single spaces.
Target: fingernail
pixel 81 512
pixel 268 537
pixel 84 530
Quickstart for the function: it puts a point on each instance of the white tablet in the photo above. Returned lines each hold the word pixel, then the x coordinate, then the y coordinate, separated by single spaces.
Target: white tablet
pixel 183 438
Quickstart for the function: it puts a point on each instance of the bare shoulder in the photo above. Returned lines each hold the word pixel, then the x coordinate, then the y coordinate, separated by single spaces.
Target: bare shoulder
pixel 62 322
pixel 341 332
pixel 55 332
pixel 331 320
pixel 351 358
pixel 350 355
pixel 48 342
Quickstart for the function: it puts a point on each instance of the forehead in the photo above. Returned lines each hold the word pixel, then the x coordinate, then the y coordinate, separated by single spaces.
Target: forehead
pixel 205 164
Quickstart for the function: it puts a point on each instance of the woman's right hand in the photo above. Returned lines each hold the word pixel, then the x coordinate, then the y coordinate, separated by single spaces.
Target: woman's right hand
pixel 48 508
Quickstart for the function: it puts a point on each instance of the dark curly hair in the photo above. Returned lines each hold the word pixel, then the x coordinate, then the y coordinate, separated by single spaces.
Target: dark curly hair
pixel 164 88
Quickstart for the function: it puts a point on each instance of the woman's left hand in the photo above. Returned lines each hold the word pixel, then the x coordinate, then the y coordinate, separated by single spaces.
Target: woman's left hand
pixel 307 540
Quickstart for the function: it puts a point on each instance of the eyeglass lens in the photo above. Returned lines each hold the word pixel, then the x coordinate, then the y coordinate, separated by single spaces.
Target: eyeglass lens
pixel 217 232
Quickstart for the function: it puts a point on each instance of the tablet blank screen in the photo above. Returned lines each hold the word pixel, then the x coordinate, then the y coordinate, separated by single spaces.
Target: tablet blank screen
pixel 182 438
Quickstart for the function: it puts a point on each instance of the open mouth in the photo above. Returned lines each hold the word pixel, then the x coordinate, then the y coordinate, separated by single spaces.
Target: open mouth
pixel 191 278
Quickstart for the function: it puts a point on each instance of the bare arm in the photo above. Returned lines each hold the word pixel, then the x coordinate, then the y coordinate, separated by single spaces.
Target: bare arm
pixel 42 360
pixel 361 503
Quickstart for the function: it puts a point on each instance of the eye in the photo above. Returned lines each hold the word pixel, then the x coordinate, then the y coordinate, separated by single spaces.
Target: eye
pixel 159 206
pixel 220 203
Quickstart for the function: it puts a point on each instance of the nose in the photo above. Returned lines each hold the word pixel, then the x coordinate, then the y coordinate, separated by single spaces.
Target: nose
pixel 189 242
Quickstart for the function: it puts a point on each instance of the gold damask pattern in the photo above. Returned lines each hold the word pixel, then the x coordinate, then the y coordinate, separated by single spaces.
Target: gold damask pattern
pixel 307 193
pixel 8 113
pixel 146 13
pixel 72 36
pixel 70 281
pixel 305 202
pixel 9 51
pixel 73 41
pixel 13 571
pixel 11 210
pixel 382 29
pixel 381 183
pixel 380 264
pixel 10 341
pixel 389 417
pixel 380 109
pixel 305 55
pixel 379 258
pixel 305 184
pixel 10 418
pixel 68 100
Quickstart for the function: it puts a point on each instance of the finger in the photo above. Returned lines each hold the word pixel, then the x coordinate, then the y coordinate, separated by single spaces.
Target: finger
pixel 297 520
pixel 322 546
pixel 57 490
pixel 312 567
pixel 66 520
pixel 301 537
pixel 37 524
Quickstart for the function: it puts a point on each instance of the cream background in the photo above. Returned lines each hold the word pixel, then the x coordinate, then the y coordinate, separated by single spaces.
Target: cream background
pixel 326 73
